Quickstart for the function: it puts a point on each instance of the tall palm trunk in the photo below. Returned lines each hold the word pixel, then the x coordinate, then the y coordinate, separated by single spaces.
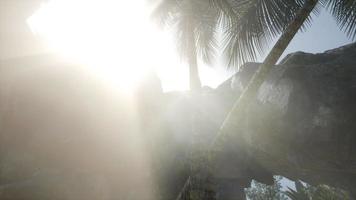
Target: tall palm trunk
pixel 194 80
pixel 236 113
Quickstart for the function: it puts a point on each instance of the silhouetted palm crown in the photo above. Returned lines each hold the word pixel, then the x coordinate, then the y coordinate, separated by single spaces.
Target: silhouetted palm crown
pixel 248 26
pixel 191 18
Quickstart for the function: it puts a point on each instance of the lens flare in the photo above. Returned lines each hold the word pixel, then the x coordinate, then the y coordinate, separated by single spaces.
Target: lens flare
pixel 116 39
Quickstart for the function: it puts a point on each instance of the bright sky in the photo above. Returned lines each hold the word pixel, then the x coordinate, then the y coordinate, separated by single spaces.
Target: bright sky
pixel 323 35
pixel 116 40
pixel 119 42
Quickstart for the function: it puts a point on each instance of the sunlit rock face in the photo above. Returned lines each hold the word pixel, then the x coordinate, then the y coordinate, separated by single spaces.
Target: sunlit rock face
pixel 302 124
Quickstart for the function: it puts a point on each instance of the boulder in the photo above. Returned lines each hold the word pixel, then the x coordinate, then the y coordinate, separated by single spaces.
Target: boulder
pixel 301 125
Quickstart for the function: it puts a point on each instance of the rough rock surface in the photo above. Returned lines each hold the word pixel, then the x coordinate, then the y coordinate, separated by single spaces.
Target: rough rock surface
pixel 302 124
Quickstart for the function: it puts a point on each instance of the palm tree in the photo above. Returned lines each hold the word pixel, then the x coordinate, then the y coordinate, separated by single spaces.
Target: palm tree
pixel 195 26
pixel 247 33
pixel 249 25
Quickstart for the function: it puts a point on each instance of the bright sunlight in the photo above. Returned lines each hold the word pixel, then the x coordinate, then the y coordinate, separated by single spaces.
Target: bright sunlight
pixel 116 39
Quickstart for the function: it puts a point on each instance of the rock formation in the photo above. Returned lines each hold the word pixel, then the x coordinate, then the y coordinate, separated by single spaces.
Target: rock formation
pixel 66 135
pixel 301 125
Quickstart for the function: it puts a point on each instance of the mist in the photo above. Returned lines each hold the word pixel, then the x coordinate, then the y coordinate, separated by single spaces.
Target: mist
pixel 148 100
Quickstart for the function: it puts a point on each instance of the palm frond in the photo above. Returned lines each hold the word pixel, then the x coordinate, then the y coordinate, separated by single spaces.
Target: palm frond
pixel 344 12
pixel 184 32
pixel 206 33
pixel 165 11
pixel 193 21
pixel 251 25
pixel 227 13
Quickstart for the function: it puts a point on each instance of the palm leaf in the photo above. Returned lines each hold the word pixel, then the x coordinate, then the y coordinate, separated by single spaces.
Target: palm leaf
pixel 344 11
pixel 206 33
pixel 191 20
pixel 251 25
pixel 165 11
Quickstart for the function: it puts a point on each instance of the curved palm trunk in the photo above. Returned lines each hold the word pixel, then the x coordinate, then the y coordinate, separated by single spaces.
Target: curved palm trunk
pixel 194 80
pixel 250 92
pixel 236 114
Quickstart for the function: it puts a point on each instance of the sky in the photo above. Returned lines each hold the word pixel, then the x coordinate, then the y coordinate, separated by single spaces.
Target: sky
pixel 123 46
pixel 322 35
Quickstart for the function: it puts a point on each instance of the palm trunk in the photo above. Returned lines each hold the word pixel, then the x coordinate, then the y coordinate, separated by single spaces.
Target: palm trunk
pixel 237 111
pixel 194 80
pixel 250 92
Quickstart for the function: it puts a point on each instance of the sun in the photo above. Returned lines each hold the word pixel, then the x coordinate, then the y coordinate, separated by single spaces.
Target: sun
pixel 114 38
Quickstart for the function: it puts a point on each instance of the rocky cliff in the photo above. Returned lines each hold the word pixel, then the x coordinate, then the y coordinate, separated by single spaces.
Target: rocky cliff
pixel 302 125
pixel 65 135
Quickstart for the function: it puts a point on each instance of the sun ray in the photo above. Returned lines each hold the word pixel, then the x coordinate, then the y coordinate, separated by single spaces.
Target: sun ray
pixel 114 38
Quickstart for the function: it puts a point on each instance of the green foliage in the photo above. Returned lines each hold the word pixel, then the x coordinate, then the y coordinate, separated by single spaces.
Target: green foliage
pixel 300 193
pixel 324 192
pixel 259 191
pixel 321 192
